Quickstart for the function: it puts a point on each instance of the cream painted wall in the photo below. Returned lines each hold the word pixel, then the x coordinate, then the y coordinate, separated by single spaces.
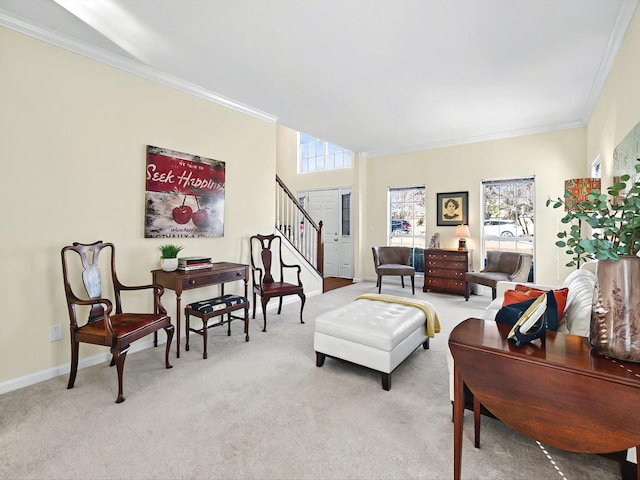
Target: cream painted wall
pixel 67 121
pixel 617 110
pixel 72 145
pixel 550 157
pixel 287 170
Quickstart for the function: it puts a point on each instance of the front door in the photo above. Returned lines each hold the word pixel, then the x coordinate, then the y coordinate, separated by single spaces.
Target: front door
pixel 327 205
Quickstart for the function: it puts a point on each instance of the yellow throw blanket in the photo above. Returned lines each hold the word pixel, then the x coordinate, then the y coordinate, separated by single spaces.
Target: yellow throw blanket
pixel 433 324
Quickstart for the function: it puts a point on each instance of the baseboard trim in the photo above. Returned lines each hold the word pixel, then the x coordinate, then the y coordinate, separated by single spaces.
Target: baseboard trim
pixel 49 373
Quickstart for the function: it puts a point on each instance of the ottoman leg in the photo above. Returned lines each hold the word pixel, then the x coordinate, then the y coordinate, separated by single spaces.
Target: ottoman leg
pixel 246 323
pixel 205 321
pixel 425 344
pixel 320 359
pixel 186 317
pixel 386 381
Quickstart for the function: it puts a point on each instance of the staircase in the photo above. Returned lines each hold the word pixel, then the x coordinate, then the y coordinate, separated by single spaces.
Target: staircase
pixel 295 225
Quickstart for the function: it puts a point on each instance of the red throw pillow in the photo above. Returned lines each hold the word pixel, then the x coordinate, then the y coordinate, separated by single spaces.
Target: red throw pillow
pixel 524 292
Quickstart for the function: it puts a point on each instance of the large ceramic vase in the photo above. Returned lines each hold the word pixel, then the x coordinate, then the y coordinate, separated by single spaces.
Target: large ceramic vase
pixel 615 315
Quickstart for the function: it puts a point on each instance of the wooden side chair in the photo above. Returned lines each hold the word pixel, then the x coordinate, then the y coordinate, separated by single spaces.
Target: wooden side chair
pixel 103 326
pixel 263 249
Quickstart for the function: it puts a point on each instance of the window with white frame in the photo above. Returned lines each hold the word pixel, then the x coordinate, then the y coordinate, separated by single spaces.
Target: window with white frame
pixel 407 221
pixel 508 215
pixel 317 155
pixel 596 168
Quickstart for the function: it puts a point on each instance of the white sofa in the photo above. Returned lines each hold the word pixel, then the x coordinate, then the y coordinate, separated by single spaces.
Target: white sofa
pixel 577 312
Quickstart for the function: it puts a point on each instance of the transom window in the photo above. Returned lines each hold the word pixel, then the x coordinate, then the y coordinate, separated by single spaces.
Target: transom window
pixel 317 155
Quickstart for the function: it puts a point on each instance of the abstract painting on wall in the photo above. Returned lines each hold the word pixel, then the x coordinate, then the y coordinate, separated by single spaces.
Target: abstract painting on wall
pixel 184 195
pixel 626 154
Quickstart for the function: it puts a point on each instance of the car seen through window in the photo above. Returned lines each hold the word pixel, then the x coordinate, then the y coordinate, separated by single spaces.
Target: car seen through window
pixel 399 227
pixel 495 227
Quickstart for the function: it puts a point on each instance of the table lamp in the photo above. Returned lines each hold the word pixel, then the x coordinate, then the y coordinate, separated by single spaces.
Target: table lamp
pixel 580 189
pixel 462 232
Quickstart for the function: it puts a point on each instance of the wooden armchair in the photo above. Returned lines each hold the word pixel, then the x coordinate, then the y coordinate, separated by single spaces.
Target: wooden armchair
pixel 263 249
pixel 103 326
pixel 393 261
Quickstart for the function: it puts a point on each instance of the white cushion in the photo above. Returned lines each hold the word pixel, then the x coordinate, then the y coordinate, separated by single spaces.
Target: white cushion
pixel 492 309
pixel 379 325
pixel 577 313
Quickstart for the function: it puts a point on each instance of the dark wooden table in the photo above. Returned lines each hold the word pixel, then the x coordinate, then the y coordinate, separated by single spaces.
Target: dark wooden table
pixel 219 274
pixel 562 393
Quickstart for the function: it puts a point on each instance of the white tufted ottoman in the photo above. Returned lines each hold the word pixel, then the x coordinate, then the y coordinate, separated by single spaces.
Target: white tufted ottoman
pixel 375 331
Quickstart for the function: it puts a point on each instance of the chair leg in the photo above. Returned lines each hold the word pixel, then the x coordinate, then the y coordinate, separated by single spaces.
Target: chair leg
pixel 264 312
pixel 402 280
pixel 302 299
pixel 169 330
pixel 254 305
pixel 228 324
pixel 379 283
pixel 413 285
pixel 280 305
pixel 74 363
pixel 119 356
pixel 246 323
pixel 493 293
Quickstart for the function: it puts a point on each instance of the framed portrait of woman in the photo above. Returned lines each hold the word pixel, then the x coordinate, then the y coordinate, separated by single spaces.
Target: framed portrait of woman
pixel 453 208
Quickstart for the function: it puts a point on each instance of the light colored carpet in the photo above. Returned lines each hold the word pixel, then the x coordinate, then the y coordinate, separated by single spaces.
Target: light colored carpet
pixel 263 410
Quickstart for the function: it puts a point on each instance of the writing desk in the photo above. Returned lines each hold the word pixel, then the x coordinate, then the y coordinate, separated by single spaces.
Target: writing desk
pixel 179 280
pixel 562 393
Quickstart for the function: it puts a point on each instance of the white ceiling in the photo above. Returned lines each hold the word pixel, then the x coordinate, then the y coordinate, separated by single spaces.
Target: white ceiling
pixel 374 76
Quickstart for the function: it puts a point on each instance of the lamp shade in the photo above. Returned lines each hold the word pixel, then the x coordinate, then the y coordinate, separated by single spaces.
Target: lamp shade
pixel 462 231
pixel 579 188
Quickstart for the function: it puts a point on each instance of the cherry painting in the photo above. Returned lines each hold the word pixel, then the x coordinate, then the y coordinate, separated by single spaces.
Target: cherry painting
pixel 184 195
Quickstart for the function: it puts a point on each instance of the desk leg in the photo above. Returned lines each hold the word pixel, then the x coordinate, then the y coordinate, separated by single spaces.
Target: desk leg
pixel 458 422
pixel 476 422
pixel 178 325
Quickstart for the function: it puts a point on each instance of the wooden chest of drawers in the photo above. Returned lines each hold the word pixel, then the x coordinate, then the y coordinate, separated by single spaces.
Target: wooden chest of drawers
pixel 445 269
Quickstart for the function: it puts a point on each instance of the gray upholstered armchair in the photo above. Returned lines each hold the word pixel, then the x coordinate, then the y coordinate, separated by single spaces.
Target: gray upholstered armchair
pixel 393 261
pixel 502 266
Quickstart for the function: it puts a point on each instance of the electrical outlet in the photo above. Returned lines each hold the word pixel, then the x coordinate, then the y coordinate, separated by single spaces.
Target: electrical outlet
pixel 55 333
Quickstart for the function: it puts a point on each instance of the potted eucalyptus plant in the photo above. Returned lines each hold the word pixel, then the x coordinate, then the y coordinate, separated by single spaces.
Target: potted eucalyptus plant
pixel 614 219
pixel 169 257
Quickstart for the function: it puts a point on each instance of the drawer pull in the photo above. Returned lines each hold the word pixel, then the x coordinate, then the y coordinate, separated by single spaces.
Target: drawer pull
pixel 192 282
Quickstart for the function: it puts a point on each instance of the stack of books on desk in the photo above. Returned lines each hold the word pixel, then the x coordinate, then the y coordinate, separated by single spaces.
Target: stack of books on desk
pixel 189 264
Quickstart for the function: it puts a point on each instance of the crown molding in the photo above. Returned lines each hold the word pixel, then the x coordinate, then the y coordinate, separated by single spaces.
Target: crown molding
pixel 477 139
pixel 58 39
pixel 623 19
